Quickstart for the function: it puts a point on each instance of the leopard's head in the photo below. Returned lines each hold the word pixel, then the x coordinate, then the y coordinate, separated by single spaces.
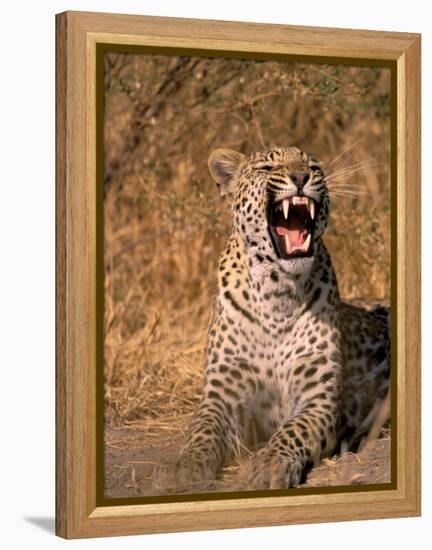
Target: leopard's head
pixel 280 202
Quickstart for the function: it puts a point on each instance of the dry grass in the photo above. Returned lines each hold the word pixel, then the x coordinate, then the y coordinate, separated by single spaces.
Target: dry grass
pixel 165 225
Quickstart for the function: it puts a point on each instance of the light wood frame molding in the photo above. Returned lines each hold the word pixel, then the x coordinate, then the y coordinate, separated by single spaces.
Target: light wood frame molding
pixel 78 34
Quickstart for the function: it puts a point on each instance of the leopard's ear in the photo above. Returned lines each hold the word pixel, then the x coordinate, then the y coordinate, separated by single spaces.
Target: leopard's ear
pixel 225 166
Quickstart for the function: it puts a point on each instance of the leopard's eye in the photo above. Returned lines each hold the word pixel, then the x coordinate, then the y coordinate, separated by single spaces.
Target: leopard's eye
pixel 264 167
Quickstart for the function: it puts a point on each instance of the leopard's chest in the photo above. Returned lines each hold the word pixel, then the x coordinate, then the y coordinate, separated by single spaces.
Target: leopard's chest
pixel 274 402
pixel 281 365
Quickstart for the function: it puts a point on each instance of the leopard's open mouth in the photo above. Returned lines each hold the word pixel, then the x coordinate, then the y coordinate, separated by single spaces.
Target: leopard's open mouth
pixel 291 225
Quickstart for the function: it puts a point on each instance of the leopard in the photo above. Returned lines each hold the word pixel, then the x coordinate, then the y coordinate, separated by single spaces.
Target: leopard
pixel 287 358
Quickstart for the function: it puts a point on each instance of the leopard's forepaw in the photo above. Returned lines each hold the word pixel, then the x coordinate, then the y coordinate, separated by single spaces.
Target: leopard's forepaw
pixel 270 469
pixel 181 476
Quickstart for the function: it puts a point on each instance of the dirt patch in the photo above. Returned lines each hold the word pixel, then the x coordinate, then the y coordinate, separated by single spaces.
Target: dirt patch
pixel 371 466
pixel 129 462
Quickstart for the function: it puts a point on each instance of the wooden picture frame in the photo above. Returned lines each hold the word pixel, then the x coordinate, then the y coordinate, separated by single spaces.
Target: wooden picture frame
pixel 79 36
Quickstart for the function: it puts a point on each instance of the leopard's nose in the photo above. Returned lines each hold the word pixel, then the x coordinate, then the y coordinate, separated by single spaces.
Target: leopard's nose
pixel 299 179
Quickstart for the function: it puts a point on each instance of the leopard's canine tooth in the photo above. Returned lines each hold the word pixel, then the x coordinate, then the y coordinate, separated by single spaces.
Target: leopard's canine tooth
pixel 312 209
pixel 285 206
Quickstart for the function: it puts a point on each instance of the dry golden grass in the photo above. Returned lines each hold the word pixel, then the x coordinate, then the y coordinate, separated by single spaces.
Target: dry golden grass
pixel 165 225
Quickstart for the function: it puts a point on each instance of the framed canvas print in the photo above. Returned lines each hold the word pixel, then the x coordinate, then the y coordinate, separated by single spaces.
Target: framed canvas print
pixel 238 280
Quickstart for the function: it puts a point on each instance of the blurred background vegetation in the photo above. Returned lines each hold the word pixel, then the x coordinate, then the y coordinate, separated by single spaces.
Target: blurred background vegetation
pixel 165 225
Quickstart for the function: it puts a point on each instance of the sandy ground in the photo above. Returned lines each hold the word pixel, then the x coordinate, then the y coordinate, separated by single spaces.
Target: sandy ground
pixel 129 461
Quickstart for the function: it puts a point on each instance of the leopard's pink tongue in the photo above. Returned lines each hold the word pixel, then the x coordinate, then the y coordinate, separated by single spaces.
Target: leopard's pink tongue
pixel 297 237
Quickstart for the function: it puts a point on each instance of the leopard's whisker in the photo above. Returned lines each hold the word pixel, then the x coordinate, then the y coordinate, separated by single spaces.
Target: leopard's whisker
pixel 342 178
pixel 344 197
pixel 353 168
pixel 345 151
pixel 358 192
pixel 346 187
pixel 349 194
pixel 346 163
